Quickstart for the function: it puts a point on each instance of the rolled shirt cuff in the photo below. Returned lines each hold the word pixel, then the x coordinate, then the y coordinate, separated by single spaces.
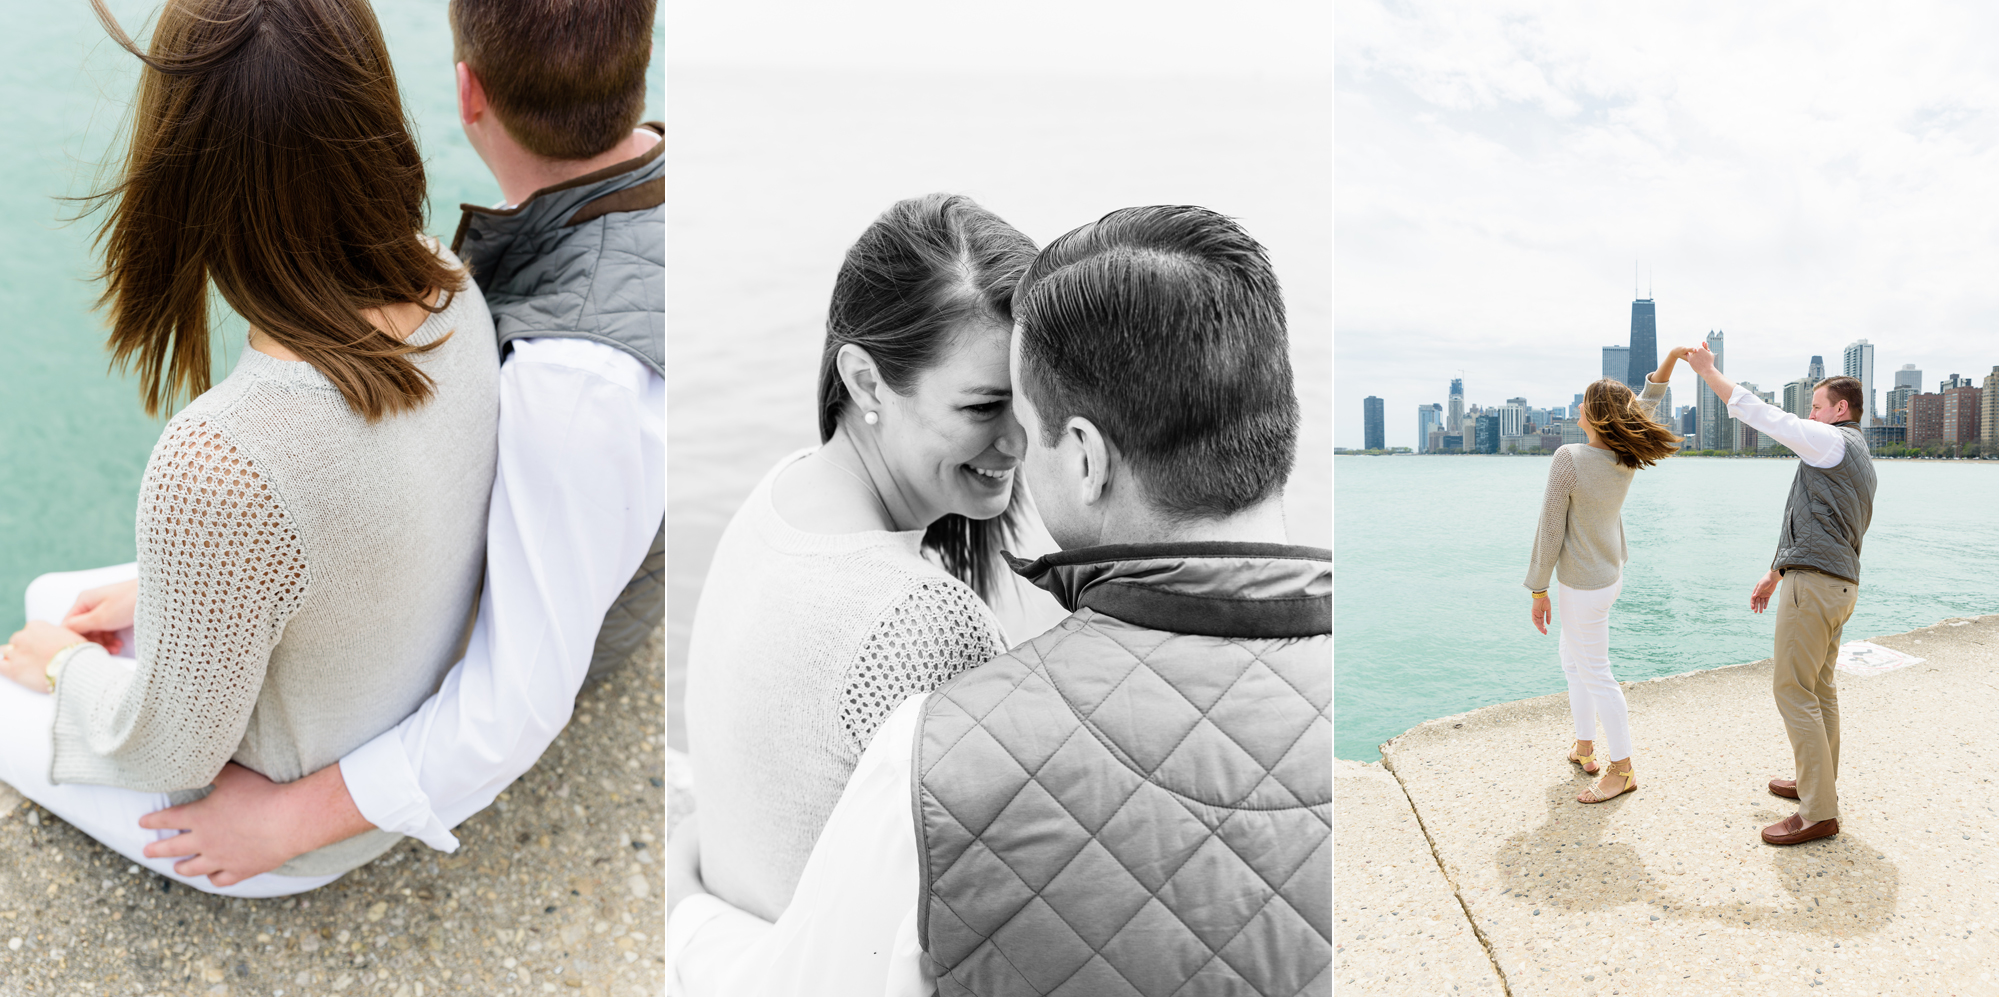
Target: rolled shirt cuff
pixel 385 790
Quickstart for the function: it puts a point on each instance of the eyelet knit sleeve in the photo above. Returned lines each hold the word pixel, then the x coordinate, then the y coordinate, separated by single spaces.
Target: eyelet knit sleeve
pixel 221 570
pixel 937 630
pixel 1554 522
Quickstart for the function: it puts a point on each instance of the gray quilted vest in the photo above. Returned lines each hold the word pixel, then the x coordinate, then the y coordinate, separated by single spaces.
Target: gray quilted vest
pixel 1828 512
pixel 586 259
pixel 1139 801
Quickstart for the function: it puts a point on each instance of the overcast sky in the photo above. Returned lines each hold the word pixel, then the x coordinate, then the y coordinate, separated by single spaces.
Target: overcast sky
pixel 1798 175
pixel 1067 37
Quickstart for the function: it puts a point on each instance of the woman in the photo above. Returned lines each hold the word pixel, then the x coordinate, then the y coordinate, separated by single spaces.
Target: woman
pixel 858 573
pixel 1581 539
pixel 311 529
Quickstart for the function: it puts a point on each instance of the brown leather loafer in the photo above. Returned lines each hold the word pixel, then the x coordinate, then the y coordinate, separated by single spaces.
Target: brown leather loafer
pixel 1787 788
pixel 1788 831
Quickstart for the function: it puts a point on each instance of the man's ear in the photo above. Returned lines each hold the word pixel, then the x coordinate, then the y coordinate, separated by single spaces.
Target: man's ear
pixel 1094 454
pixel 857 372
pixel 471 96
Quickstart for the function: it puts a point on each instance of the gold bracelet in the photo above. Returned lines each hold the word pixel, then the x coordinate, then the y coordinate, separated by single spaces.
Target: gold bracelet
pixel 58 660
pixel 1543 594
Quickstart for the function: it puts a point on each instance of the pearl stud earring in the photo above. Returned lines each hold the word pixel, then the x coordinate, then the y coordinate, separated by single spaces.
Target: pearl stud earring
pixel 870 418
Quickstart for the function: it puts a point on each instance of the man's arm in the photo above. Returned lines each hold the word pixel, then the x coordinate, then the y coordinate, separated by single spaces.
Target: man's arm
pixel 577 499
pixel 848 929
pixel 1817 443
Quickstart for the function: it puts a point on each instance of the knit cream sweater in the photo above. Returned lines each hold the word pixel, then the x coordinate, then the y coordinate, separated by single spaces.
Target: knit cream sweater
pixel 304 577
pixel 1581 534
pixel 802 644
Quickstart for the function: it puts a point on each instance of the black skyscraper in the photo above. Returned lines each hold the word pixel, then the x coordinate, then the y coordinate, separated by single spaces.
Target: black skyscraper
pixel 1645 355
pixel 1371 423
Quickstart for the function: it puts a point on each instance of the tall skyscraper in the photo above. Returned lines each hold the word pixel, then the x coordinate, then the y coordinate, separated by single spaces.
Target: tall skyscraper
pixel 1486 434
pixel 1798 397
pixel 1512 415
pixel 1456 413
pixel 1617 362
pixel 1816 371
pixel 1371 422
pixel 1428 417
pixel 1643 356
pixel 1898 411
pixel 1910 376
pixel 1858 361
pixel 1713 430
pixel 1987 408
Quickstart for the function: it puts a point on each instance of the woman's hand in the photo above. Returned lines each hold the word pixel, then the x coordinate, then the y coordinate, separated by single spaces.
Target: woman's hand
pixel 27 653
pixel 101 612
pixel 1666 371
pixel 1540 613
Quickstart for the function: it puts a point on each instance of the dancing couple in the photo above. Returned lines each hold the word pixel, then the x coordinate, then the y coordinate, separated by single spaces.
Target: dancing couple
pixel 301 668
pixel 1815 574
pixel 890 800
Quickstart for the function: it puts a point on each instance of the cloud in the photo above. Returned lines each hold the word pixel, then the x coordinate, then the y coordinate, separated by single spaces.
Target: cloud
pixel 1799 176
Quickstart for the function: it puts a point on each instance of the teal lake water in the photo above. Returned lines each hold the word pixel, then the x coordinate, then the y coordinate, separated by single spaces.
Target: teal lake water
pixel 73 439
pixel 1430 618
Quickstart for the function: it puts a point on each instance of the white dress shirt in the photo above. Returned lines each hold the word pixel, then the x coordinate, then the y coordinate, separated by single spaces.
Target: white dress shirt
pixel 1816 443
pixel 578 493
pixel 851 928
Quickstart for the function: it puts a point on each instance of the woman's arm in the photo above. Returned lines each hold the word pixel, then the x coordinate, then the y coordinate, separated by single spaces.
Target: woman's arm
pixel 1551 529
pixel 936 630
pixel 1666 370
pixel 220 571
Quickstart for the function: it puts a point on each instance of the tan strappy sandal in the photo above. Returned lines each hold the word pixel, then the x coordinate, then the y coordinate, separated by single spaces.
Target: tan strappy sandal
pixel 1591 795
pixel 1584 760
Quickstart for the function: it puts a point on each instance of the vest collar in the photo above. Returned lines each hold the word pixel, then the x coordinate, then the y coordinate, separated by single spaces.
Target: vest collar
pixel 1207 588
pixel 642 180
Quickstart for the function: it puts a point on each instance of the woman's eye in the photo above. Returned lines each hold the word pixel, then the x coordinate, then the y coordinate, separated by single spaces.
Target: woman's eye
pixel 989 408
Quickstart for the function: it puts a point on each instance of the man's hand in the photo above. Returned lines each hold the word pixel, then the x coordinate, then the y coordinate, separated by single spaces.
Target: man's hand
pixel 1539 612
pixel 1760 594
pixel 683 862
pixel 1701 358
pixel 101 612
pixel 25 657
pixel 250 825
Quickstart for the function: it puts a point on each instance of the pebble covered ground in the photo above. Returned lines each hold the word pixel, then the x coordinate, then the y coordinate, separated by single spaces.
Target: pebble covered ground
pixel 555 889
pixel 1397 929
pixel 1668 890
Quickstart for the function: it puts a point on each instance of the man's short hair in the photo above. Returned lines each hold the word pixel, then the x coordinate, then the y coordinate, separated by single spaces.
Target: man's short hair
pixel 567 78
pixel 1164 326
pixel 1841 388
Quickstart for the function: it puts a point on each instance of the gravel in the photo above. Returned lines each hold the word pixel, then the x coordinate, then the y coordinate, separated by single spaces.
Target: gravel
pixel 555 889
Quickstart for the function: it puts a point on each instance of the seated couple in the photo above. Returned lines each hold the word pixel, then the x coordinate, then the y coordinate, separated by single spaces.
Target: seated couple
pixel 312 531
pixel 888 799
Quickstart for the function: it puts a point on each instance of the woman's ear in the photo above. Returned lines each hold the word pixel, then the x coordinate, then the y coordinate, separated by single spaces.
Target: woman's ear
pixel 857 372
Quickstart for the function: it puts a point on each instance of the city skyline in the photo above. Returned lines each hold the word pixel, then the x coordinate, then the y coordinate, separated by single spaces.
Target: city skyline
pixel 1769 377
pixel 1801 177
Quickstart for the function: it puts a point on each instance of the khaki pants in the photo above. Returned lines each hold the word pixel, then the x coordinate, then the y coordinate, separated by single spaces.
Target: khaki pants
pixel 1812 607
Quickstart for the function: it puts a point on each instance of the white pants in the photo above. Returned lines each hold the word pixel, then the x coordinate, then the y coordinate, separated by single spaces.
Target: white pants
pixel 1594 696
pixel 107 813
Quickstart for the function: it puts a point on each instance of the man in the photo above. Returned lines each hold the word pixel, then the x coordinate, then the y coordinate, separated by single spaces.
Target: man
pixel 1818 565
pixel 574 272
pixel 1139 799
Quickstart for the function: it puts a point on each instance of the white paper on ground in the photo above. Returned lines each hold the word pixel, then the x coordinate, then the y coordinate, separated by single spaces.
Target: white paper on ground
pixel 1862 658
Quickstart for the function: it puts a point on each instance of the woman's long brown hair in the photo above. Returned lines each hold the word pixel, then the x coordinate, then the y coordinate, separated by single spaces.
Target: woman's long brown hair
pixel 270 156
pixel 1623 424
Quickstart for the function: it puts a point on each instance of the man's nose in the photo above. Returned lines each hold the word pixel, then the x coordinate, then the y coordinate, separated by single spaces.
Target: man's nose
pixel 1013 439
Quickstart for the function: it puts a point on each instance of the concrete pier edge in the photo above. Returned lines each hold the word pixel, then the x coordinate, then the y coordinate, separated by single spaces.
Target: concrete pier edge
pixel 1965 645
